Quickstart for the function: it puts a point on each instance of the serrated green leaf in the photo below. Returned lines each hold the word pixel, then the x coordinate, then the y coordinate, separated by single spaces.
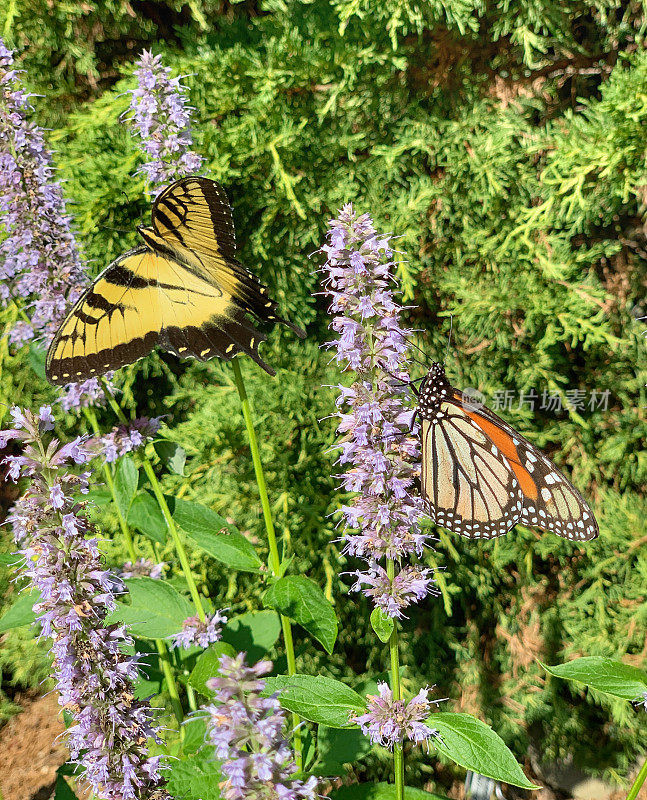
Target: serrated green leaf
pixel 156 610
pixel 603 674
pixel 195 778
pixel 337 747
pixel 145 515
pixel 207 665
pixel 20 612
pixel 473 745
pixel 317 698
pixel 195 734
pixel 126 479
pixel 380 791
pixel 302 600
pixel 172 455
pixel 214 534
pixel 253 633
pixel 382 625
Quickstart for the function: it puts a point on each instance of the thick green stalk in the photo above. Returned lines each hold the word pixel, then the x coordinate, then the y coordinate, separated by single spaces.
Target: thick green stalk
pixel 394 652
pixel 130 546
pixel 637 785
pixel 275 559
pixel 168 518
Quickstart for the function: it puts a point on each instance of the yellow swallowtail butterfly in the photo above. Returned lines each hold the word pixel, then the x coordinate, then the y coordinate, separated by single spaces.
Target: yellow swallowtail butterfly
pixel 183 290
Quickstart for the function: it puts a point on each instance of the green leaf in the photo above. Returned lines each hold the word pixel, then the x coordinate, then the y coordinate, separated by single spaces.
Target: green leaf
pixel 302 600
pixel 145 515
pixel 473 745
pixel 37 355
pixel 604 674
pixel 195 734
pixel 337 747
pixel 207 666
pixel 253 633
pixel 156 609
pixel 126 478
pixel 171 454
pixel 20 612
pixel 382 624
pixel 317 699
pixel 196 777
pixel 9 559
pixel 381 791
pixel 214 534
pixel 62 790
pixel 99 495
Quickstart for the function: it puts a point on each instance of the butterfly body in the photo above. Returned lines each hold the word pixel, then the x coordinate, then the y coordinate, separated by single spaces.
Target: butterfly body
pixel 480 477
pixel 182 289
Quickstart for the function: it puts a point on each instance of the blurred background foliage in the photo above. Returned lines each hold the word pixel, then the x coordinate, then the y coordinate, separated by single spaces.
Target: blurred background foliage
pixel 505 144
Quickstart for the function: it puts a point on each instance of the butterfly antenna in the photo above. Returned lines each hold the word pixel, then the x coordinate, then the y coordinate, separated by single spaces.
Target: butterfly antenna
pixel 413 344
pixel 449 338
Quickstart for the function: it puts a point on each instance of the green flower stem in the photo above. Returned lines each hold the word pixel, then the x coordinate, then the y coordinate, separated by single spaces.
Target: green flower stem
pixel 169 676
pixel 91 417
pixel 275 559
pixel 394 652
pixel 640 779
pixel 179 546
pixel 130 546
pixel 161 500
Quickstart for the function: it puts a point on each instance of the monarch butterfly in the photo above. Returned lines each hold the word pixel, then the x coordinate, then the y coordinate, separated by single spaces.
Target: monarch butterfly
pixel 480 477
pixel 183 289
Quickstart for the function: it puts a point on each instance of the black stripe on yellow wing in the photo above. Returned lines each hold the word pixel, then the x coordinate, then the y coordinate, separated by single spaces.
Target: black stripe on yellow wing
pixel 469 487
pixel 115 322
pixel 140 300
pixel 192 222
pixel 196 213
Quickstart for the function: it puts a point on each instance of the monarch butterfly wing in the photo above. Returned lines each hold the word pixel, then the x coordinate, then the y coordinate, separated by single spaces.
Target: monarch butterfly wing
pixel 115 322
pixel 193 217
pixel 140 300
pixel 469 486
pixel 550 501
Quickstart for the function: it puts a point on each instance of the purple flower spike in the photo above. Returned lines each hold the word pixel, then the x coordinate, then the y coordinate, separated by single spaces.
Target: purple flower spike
pixel 143 568
pixel 389 722
pixel 247 731
pixel 377 444
pixel 196 633
pixel 94 673
pixel 40 267
pixel 124 439
pixel 161 118
pixel 39 262
pixel 410 585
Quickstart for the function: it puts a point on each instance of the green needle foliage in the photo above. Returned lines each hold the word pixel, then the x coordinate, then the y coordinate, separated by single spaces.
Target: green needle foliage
pixel 505 143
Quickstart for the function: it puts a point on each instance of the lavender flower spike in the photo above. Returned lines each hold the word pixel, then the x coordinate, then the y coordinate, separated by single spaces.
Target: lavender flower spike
pixel 39 262
pixel 94 675
pixel 124 439
pixel 377 444
pixel 247 732
pixel 196 633
pixel 388 722
pixel 161 119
